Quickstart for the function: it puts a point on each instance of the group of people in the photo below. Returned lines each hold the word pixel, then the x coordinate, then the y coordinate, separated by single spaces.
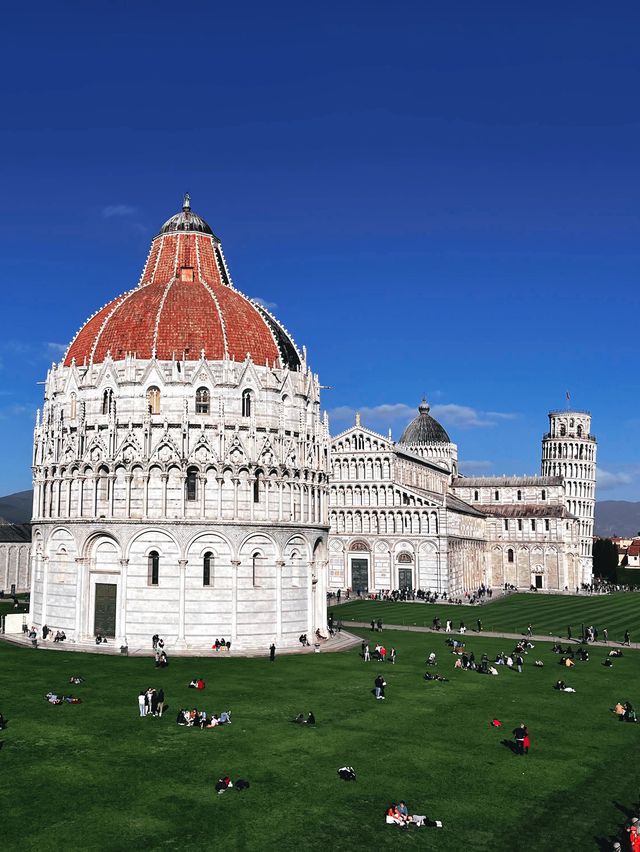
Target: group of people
pixel 625 712
pixel 379 653
pixel 398 814
pixel 151 702
pixel 221 645
pixel 200 719
pixel 300 720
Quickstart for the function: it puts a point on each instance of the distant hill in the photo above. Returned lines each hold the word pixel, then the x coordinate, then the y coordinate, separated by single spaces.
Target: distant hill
pixel 16 508
pixel 617 517
pixel 613 517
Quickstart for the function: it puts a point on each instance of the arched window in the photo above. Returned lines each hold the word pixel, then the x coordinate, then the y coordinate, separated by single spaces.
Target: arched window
pixel 496 495
pixel 153 400
pixel 506 524
pixel 519 495
pixel 544 494
pixel 107 399
pixel 192 483
pixel 255 567
pixel 510 555
pixel 154 567
pixel 246 403
pixel 476 496
pixel 256 487
pixel 563 430
pixel 207 569
pixel 203 399
pixel 579 431
pixel 72 412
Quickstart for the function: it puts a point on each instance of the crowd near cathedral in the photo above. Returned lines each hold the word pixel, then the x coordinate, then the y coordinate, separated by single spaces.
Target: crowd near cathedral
pixel 186 481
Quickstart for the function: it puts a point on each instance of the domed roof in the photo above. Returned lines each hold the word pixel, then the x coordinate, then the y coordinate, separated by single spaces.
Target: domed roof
pixel 184 307
pixel 186 220
pixel 424 429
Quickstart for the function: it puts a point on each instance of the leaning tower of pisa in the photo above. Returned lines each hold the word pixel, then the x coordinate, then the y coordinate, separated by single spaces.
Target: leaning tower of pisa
pixel 569 451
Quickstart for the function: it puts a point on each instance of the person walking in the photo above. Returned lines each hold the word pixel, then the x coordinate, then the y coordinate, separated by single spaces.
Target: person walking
pixel 379 685
pixel 479 626
pixel 463 627
pixel 605 636
pixel 272 652
pixel 153 700
pixel 379 625
pixel 530 630
pixel 627 638
pixel 526 743
pixel 141 703
pixel 373 625
pixel 519 663
pixel 367 654
pixel 569 632
pixel 161 703
pixel 392 656
pixel 448 627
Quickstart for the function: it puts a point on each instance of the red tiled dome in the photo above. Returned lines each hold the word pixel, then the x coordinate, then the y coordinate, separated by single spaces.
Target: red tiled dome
pixel 184 305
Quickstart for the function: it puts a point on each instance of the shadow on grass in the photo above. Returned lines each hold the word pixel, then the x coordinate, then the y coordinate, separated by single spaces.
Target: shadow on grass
pixel 513 748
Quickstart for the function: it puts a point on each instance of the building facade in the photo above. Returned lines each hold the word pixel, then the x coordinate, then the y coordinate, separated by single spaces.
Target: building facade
pixel 401 516
pixel 180 465
pixel 15 558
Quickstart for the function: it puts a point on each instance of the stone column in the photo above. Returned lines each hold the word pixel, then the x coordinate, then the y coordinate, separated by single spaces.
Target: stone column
pixel 69 484
pixel 311 584
pixel 127 483
pixel 45 584
pixel 292 514
pixel 112 487
pixel 145 495
pixel 122 616
pixel 81 607
pixel 165 478
pixel 280 490
pixel 81 481
pixel 183 502
pixel 202 482
pixel 236 482
pixel 279 572
pixel 96 480
pixel 182 563
pixel 220 481
pixel 57 485
pixel 235 564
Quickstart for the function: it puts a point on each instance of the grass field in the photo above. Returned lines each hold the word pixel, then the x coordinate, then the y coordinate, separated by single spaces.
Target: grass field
pixel 97 776
pixel 549 614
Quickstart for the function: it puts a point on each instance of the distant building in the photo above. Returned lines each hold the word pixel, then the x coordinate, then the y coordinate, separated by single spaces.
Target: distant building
pixel 402 517
pixel 15 557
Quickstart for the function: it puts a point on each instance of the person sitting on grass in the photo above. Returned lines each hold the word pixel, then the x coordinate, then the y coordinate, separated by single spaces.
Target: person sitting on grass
pixel 538 664
pixel 162 661
pixel 431 659
pixel 607 663
pixel 223 784
pixel 629 712
pixel 197 683
pixel 583 654
pixel 619 711
pixel 567 662
pixel 439 678
pixel 76 680
pixel 225 717
pixel 561 686
pixel 616 652
pixel 394 817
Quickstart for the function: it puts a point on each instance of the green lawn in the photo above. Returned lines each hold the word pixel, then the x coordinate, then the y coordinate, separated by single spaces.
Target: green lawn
pixel 96 776
pixel 549 614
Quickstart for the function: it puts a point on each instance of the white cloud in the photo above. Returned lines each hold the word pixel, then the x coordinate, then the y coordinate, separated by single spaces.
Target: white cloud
pixel 606 479
pixel 475 465
pixel 112 210
pixel 268 305
pixel 390 414
pixel 54 350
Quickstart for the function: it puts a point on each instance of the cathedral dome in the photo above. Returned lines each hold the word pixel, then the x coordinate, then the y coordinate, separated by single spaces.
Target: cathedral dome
pixel 184 307
pixel 424 429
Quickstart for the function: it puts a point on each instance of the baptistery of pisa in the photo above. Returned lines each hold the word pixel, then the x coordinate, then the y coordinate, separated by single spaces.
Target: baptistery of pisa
pixel 180 465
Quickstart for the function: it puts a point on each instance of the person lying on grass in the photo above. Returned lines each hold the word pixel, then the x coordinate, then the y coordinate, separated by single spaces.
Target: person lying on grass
pixel 399 815
pixel 197 683
pixel 76 680
pixel 561 686
pixel 429 676
pixel 300 720
pixel 53 698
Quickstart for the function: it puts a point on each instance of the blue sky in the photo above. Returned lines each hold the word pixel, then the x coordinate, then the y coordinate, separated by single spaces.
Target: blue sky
pixel 435 197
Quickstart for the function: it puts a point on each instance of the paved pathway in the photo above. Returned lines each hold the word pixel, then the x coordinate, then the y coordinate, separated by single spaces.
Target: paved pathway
pixel 536 637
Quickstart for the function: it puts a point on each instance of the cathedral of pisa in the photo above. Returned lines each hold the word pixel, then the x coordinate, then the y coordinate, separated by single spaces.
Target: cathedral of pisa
pixel 185 481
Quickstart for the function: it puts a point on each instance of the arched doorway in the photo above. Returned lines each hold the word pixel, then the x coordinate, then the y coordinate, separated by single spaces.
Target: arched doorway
pixel 359 559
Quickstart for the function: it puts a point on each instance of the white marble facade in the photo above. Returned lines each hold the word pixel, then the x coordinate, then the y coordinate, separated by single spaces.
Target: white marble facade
pixel 181 494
